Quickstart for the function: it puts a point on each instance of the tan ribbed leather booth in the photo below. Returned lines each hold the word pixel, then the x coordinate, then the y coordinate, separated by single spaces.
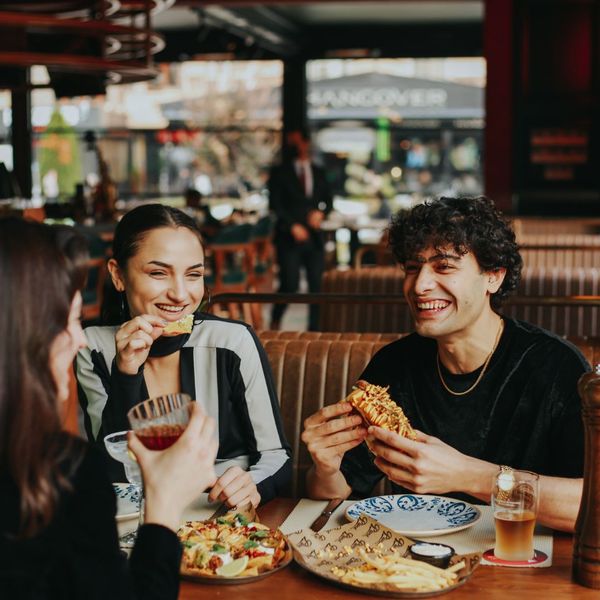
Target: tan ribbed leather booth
pixel 560 281
pixel 535 281
pixel 551 225
pixel 312 370
pixel 371 317
pixel 560 250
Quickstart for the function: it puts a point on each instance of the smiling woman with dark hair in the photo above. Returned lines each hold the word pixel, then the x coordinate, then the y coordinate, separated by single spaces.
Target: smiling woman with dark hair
pixel 58 536
pixel 157 273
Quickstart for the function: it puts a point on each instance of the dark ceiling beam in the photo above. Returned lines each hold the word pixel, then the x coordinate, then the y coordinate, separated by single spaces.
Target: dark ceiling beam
pixel 399 41
pixel 393 41
pixel 197 3
pixel 258 26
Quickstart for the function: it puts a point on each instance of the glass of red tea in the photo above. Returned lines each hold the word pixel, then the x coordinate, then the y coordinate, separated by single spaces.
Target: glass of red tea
pixel 515 500
pixel 159 422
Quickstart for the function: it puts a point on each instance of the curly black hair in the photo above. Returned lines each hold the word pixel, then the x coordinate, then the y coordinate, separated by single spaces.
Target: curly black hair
pixel 468 225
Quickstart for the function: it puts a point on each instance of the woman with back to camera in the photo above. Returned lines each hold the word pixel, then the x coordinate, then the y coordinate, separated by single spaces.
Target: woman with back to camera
pixel 58 536
pixel 157 272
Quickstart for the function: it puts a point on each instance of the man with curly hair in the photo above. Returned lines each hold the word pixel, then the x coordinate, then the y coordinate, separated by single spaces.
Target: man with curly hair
pixel 482 390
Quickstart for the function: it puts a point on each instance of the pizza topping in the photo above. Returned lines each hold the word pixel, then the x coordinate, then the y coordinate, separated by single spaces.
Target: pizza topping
pixel 209 547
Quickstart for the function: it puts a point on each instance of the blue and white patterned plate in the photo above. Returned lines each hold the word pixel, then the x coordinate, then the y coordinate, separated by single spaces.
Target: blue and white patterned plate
pixel 416 515
pixel 128 500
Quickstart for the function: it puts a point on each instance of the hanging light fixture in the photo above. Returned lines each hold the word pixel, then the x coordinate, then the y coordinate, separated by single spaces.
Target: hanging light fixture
pixel 85 44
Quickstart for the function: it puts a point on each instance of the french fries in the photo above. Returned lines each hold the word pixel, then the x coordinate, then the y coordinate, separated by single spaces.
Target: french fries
pixel 399 572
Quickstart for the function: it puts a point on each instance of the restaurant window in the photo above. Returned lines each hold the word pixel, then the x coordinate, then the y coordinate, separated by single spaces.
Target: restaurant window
pixel 213 126
pixel 399 129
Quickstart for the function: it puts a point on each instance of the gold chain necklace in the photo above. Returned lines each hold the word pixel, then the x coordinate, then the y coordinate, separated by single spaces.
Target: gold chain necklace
pixel 483 370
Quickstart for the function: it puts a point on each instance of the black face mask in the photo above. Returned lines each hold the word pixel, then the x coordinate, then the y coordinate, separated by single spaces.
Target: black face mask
pixel 165 345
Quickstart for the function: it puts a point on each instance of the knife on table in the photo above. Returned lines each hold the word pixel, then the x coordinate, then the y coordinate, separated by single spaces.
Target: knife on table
pixel 221 510
pixel 322 519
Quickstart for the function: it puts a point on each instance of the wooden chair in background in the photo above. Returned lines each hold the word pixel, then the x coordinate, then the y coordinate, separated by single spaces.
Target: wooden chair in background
pixel 231 258
pixel 263 271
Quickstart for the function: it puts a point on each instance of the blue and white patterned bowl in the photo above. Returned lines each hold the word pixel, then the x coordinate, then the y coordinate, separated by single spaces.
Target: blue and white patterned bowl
pixel 128 500
pixel 417 515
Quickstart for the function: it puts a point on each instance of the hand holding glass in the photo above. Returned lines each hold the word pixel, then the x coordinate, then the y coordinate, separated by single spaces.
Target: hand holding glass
pixel 158 423
pixel 515 499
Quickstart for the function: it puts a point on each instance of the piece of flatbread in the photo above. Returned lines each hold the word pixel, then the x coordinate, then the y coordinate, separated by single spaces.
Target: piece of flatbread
pixel 183 325
pixel 375 406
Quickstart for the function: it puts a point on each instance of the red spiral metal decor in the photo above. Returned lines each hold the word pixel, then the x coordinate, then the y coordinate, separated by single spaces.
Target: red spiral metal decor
pixel 107 41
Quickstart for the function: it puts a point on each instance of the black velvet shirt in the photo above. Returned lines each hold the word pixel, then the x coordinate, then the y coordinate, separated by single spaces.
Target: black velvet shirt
pixel 77 556
pixel 525 412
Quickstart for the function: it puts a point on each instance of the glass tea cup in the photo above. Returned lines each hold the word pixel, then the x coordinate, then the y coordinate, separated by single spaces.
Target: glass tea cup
pixel 159 422
pixel 515 500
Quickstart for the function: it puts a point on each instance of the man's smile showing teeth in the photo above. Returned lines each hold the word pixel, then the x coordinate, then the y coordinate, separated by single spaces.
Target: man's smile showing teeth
pixel 433 305
pixel 171 309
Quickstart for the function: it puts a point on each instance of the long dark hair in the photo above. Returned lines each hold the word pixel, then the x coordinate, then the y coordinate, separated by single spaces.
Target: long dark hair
pixel 41 269
pixel 129 234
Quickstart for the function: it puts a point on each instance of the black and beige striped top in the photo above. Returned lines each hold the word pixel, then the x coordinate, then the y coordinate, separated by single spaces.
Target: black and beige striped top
pixel 224 367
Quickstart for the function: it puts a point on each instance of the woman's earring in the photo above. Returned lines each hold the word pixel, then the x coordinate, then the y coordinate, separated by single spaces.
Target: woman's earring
pixel 206 302
pixel 124 308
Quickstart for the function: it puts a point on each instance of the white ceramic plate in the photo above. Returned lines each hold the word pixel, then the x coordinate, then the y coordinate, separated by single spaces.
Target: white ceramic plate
pixel 416 515
pixel 128 500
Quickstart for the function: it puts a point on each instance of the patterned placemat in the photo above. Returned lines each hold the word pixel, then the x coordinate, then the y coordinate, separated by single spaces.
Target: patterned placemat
pixel 478 538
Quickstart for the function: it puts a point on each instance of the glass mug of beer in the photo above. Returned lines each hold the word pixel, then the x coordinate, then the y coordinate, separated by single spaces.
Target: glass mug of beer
pixel 515 499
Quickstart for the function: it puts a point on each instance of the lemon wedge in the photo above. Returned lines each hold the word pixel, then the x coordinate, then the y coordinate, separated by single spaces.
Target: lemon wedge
pixel 234 568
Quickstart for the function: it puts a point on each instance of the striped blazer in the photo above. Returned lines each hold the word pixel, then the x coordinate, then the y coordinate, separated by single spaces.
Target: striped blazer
pixel 224 367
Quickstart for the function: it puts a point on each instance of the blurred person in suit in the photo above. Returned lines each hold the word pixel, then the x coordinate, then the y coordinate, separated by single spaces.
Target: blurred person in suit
pixel 300 198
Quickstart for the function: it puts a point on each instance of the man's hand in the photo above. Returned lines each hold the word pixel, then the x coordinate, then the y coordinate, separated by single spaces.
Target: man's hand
pixel 315 218
pixel 424 466
pixel 330 433
pixel 299 233
pixel 236 488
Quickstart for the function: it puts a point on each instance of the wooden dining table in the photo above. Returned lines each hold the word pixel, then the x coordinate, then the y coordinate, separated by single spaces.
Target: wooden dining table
pixel 489 582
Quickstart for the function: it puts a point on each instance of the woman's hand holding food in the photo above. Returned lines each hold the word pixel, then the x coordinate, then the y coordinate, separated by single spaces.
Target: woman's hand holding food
pixel 174 477
pixel 134 339
pixel 236 488
pixel 330 433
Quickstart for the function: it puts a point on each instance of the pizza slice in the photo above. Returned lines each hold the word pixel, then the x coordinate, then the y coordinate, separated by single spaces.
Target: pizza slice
pixel 375 406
